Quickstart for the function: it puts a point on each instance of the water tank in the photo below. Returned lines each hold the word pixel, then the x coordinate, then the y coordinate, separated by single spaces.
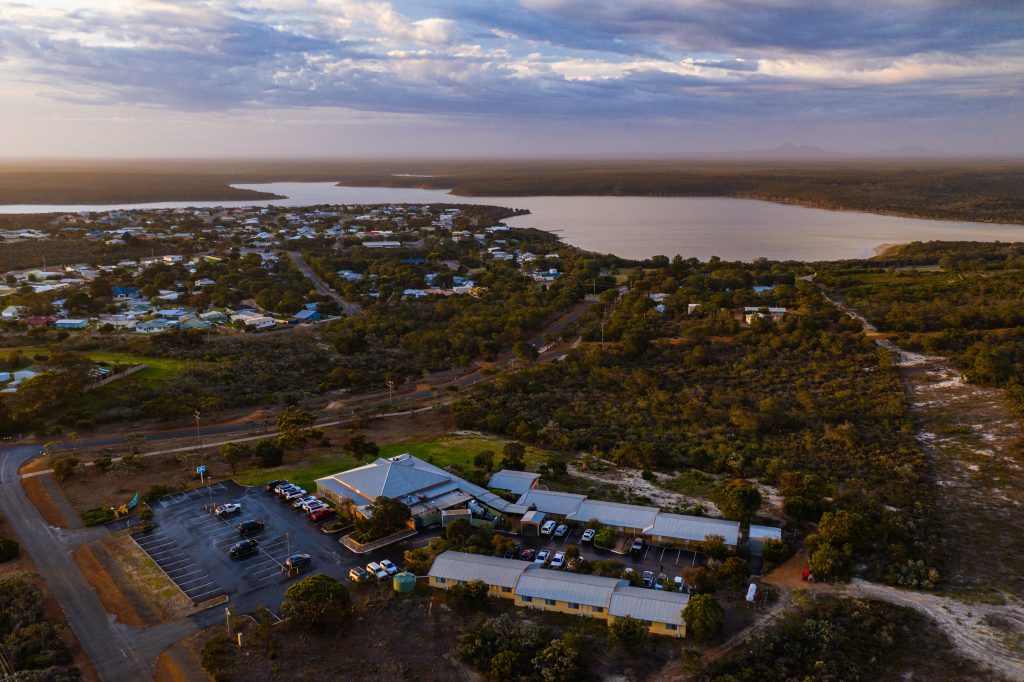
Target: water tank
pixel 404 582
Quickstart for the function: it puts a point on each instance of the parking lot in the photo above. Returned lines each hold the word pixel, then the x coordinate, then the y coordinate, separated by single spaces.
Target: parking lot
pixel 191 545
pixel 665 560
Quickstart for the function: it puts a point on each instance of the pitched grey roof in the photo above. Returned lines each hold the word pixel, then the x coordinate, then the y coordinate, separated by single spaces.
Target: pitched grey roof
pixel 513 481
pixel 694 528
pixel 551 502
pixel 469 567
pixel 576 588
pixel 615 514
pixel 395 477
pixel 659 606
pixel 764 532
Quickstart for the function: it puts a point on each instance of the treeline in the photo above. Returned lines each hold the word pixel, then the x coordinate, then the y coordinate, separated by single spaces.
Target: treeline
pixel 33 647
pixel 807 404
pixel 831 638
pixel 968 306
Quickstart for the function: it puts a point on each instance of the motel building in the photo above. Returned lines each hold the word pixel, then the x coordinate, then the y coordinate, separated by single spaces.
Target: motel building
pixel 587 596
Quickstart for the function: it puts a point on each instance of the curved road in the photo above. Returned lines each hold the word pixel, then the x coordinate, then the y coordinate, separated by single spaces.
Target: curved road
pixel 108 644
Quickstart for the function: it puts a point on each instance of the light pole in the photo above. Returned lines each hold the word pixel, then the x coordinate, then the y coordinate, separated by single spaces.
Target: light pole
pixel 391 387
pixel 198 442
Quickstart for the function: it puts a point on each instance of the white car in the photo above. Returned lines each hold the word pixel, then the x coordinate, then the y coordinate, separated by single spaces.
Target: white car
pixel 559 560
pixel 548 528
pixel 542 556
pixel 388 566
pixel 228 509
pixel 678 580
pixel 313 505
pixel 377 570
pixel 588 535
pixel 302 501
pixel 294 495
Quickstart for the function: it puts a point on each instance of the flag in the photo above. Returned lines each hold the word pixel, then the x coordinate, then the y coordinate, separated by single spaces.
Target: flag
pixel 134 502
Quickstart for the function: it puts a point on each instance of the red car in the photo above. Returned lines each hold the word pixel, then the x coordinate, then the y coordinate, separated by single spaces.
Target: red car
pixel 321 514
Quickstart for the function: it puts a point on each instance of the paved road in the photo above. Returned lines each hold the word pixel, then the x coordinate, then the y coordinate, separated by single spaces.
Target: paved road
pixel 109 645
pixel 346 306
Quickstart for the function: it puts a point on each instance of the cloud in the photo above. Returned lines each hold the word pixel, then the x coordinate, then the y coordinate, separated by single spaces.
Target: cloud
pixel 589 59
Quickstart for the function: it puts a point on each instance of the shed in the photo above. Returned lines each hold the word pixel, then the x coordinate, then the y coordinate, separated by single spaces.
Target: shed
pixel 757 536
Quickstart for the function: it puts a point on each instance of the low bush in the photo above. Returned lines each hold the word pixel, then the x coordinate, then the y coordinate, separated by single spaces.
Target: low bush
pixel 218 658
pixel 97 516
pixel 8 549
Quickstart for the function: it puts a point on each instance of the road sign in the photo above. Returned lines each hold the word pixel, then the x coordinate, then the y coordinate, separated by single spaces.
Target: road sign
pixel 201 469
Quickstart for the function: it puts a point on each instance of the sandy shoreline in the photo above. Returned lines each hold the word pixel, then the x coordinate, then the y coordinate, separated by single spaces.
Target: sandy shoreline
pixel 882 248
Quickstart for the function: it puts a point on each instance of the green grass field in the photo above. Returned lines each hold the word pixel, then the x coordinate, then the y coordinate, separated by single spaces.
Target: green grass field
pixel 157 369
pixel 439 452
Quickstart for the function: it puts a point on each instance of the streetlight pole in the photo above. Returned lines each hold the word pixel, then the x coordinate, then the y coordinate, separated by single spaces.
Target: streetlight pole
pixel 198 442
pixel 391 387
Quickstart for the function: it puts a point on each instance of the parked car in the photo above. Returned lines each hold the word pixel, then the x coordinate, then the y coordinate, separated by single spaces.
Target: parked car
pixel 548 528
pixel 297 504
pixel 282 486
pixel 296 560
pixel 229 509
pixel 322 514
pixel 313 503
pixel 358 575
pixel 294 495
pixel 388 567
pixel 648 578
pixel 527 554
pixel 559 560
pixel 373 568
pixel 270 485
pixel 243 549
pixel 678 580
pixel 250 526
pixel 588 535
pixel 638 546
pixel 542 556
pixel 562 531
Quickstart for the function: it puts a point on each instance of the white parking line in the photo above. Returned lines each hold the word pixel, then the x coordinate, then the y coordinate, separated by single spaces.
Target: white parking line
pixel 203 594
pixel 183 573
pixel 184 560
pixel 198 589
pixel 164 553
pixel 156 545
pixel 182 584
pixel 148 538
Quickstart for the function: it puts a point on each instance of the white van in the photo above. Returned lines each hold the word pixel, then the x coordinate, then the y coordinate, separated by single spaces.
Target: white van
pixel 548 528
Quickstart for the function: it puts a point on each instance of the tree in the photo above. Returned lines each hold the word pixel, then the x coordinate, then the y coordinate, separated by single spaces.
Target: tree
pixel 605 537
pixel 628 633
pixel 135 441
pixel 560 660
pixel 294 418
pixel 218 658
pixel 733 572
pixel 234 454
pixel 269 453
pixel 515 456
pixel 698 577
pixel 715 547
pixel 8 549
pixel 524 352
pixel 387 516
pixel 316 601
pixel 471 596
pixel 704 617
pixel 774 551
pixel 484 460
pixel 738 501
pixel 64 467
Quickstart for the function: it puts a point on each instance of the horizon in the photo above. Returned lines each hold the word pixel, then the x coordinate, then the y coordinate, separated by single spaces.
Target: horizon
pixel 515 79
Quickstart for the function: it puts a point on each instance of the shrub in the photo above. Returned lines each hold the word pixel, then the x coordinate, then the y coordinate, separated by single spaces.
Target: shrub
pixel 156 491
pixel 469 597
pixel 269 453
pixel 97 516
pixel 102 464
pixel 605 538
pixel 715 547
pixel 704 617
pixel 628 633
pixel 774 551
pixel 315 601
pixel 64 467
pixel 8 549
pixel 218 658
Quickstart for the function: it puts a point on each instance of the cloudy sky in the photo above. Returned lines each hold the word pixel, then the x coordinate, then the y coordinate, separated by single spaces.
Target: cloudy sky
pixel 507 77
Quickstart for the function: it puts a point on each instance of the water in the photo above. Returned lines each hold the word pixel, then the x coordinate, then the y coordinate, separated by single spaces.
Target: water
pixel 640 227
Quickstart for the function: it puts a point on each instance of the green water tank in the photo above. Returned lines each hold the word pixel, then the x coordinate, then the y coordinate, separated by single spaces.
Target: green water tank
pixel 404 582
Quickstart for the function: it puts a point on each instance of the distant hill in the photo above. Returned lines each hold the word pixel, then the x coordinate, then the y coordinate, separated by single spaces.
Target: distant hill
pixel 789 150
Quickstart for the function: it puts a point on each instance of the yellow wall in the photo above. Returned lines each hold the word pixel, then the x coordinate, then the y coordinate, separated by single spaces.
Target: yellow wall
pixel 492 590
pixel 561 607
pixel 662 629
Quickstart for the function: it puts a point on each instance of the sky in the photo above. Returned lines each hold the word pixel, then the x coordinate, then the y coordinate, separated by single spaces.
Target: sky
pixel 507 78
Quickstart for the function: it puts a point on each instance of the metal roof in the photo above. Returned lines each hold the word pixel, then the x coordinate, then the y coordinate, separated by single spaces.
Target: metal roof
pixel 694 528
pixel 576 588
pixel 764 532
pixel 659 606
pixel 469 567
pixel 551 502
pixel 615 514
pixel 514 481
